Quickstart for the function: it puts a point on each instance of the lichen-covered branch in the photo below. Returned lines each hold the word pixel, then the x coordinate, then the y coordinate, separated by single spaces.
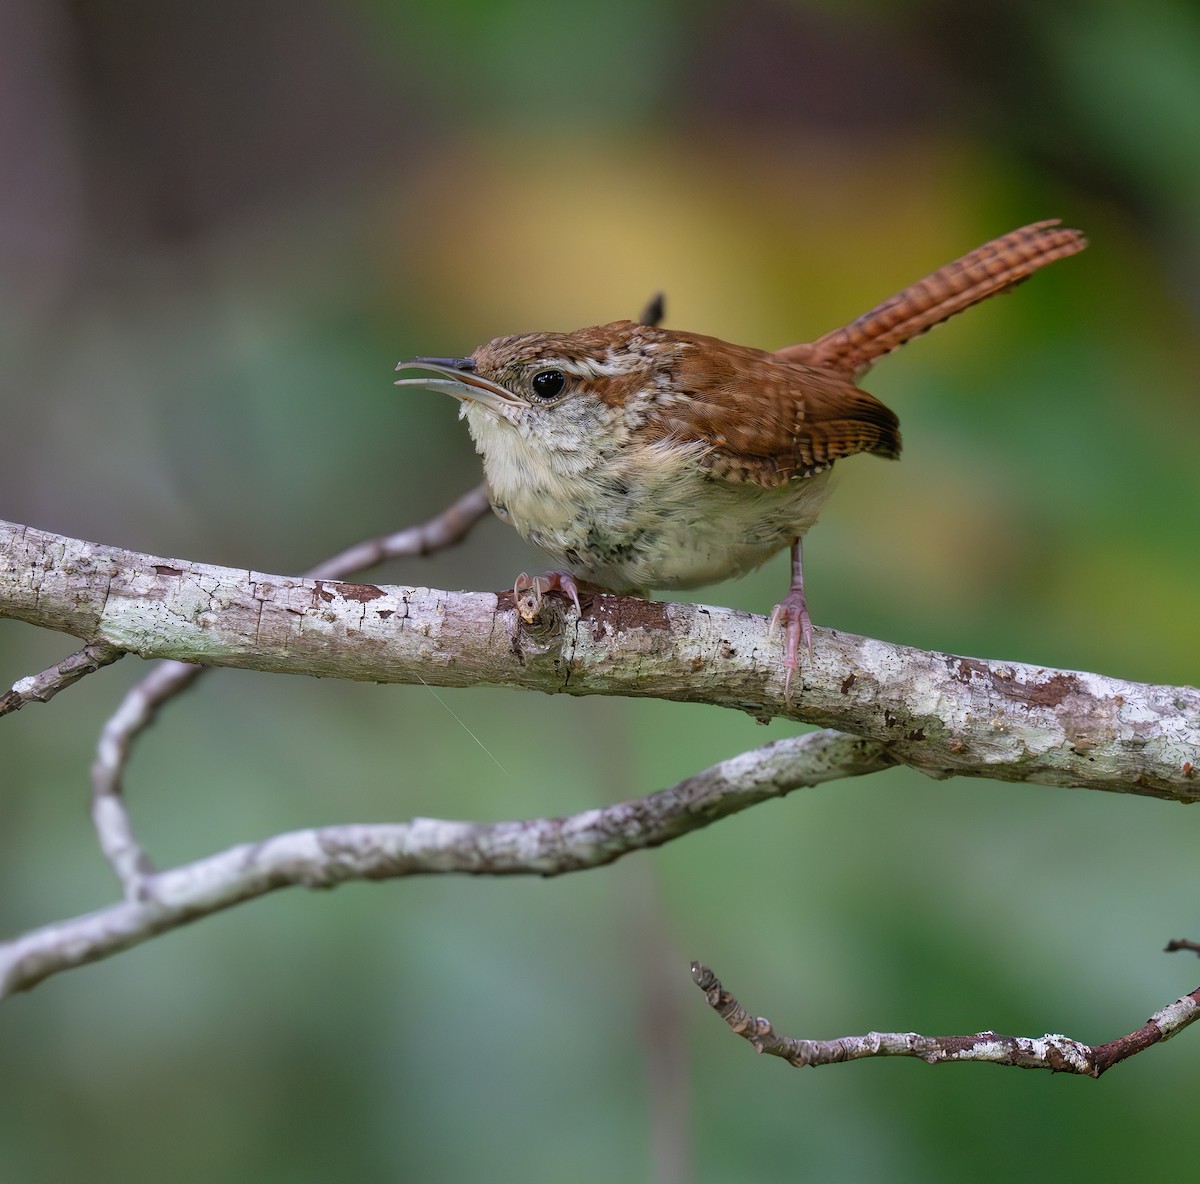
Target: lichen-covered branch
pixel 325 857
pixel 938 712
pixel 1059 1054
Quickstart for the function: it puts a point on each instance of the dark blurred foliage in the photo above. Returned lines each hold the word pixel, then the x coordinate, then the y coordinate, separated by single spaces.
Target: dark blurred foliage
pixel 220 226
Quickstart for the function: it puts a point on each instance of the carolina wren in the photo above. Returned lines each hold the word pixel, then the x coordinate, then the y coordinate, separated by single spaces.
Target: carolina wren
pixel 644 458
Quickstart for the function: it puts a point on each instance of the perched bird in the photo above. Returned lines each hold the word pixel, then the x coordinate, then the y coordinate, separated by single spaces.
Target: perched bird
pixel 642 458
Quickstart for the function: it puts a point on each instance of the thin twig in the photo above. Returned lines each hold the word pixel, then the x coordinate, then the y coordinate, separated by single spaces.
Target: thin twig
pixel 110 816
pixel 325 857
pixel 41 688
pixel 441 531
pixel 142 702
pixel 1059 1054
pixel 1181 943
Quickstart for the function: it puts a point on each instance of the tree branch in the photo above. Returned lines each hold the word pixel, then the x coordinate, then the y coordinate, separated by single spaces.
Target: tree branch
pixel 41 688
pixel 331 855
pixel 1059 1054
pixel 937 712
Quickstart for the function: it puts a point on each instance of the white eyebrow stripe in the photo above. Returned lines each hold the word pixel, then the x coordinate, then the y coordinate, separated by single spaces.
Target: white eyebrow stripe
pixel 611 365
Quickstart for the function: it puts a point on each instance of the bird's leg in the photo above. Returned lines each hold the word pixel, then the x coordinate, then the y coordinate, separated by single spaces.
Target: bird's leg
pixel 793 610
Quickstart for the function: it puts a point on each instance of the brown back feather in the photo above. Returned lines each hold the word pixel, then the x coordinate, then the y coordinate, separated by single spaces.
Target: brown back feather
pixel 766 419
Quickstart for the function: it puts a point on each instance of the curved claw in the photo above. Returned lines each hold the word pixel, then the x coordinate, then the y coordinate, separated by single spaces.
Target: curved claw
pixel 529 592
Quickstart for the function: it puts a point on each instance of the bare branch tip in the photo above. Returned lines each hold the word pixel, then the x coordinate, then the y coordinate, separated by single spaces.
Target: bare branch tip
pixel 1181 943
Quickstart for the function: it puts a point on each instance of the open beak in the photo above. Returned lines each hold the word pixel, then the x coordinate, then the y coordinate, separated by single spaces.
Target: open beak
pixel 457 377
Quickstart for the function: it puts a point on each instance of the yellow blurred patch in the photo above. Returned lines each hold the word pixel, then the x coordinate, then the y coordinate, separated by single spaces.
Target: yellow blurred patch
pixel 750 244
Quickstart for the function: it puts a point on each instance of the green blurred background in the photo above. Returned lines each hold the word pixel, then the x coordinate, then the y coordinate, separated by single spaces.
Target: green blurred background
pixel 220 226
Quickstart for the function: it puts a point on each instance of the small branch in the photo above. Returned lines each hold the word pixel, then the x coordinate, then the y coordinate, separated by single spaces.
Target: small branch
pixel 941 713
pixel 1059 1054
pixel 325 857
pixel 444 530
pixel 41 688
pixel 137 711
pixel 1181 943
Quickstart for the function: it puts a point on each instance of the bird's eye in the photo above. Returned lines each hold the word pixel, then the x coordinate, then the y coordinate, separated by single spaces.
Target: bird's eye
pixel 548 384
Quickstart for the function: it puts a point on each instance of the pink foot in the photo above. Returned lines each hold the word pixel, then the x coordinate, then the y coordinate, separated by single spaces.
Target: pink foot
pixel 529 591
pixel 792 610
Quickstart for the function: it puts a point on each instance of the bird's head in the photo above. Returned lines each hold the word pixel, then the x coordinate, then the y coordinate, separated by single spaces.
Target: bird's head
pixel 539 382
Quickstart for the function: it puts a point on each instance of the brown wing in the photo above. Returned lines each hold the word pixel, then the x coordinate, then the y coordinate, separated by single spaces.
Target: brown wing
pixel 768 420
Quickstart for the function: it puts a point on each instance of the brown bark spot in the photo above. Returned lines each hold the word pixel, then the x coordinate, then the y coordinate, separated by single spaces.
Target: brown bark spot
pixel 848 682
pixel 622 613
pixel 360 592
pixel 164 569
pixel 1050 693
pixel 956 1046
pixel 964 669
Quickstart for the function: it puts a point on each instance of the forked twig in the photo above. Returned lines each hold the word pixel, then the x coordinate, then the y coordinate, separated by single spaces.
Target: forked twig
pixel 1059 1054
